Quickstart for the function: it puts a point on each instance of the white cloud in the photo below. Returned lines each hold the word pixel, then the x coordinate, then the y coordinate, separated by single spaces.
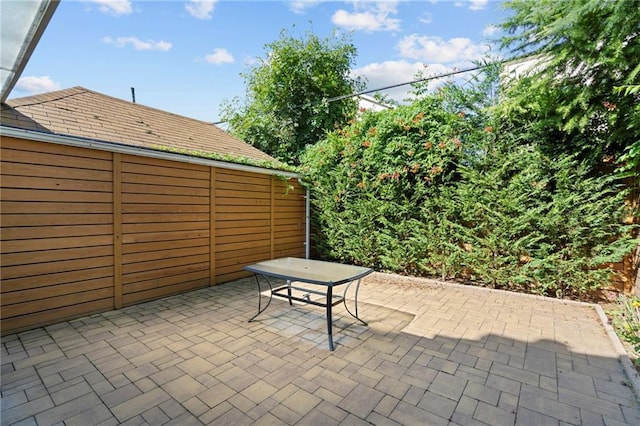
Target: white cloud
pixel 478 4
pixel 473 4
pixel 426 18
pixel 490 30
pixel 138 44
pixel 250 61
pixel 219 56
pixel 300 6
pixel 114 7
pixel 434 49
pixel 390 73
pixel 34 85
pixel 368 16
pixel 201 9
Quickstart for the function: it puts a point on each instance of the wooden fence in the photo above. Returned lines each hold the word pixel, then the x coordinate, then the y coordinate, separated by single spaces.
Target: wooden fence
pixel 85 230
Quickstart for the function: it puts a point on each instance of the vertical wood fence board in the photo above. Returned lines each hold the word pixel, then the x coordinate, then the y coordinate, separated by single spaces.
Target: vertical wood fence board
pixel 117 230
pixel 212 227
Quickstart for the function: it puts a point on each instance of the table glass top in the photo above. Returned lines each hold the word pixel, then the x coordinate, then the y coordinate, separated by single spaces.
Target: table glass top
pixel 307 270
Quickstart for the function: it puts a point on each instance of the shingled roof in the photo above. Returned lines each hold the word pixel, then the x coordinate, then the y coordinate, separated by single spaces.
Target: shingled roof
pixel 87 114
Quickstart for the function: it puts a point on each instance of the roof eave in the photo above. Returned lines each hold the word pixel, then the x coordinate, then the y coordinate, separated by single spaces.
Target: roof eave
pixel 136 150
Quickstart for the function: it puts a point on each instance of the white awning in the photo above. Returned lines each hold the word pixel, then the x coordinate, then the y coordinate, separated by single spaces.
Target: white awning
pixel 22 22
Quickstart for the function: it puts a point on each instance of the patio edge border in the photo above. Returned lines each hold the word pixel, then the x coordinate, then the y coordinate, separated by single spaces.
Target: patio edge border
pixel 627 365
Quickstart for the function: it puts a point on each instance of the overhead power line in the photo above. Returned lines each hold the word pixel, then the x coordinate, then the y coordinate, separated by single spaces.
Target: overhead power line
pixel 406 83
pixel 393 86
pixel 433 77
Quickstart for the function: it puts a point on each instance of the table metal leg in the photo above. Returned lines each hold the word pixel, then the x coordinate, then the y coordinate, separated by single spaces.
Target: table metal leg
pixel 344 299
pixel 261 310
pixel 329 302
pixel 329 317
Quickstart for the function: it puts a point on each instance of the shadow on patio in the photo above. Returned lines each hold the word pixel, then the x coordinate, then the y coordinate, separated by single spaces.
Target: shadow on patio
pixel 432 354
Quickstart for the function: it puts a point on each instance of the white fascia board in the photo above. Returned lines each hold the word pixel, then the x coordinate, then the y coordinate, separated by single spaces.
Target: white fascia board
pixel 135 150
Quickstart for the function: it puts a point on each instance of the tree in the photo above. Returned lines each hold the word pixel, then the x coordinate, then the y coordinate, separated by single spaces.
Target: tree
pixel 287 103
pixel 585 48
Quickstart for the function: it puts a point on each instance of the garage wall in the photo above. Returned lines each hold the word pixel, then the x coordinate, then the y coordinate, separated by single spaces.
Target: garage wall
pixel 256 217
pixel 85 231
pixel 165 227
pixel 289 201
pixel 56 227
pixel 242 222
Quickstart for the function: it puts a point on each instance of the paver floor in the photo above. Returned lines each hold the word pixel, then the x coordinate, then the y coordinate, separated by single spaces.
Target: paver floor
pixel 432 354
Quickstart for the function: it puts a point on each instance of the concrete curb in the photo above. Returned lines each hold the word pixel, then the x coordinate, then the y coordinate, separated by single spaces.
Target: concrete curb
pixel 627 365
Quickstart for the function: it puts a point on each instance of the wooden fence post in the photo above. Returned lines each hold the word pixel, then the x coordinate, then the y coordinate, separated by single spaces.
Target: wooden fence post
pixel 117 230
pixel 212 228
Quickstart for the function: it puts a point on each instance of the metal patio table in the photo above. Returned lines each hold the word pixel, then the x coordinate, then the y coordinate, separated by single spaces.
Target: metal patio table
pixel 316 272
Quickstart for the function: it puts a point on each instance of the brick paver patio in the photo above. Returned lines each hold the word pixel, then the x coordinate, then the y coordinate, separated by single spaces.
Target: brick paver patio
pixel 433 354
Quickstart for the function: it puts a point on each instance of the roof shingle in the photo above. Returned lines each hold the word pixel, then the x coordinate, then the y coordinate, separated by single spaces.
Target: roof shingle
pixel 87 114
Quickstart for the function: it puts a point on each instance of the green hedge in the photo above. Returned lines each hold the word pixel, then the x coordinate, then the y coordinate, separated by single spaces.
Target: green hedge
pixel 417 190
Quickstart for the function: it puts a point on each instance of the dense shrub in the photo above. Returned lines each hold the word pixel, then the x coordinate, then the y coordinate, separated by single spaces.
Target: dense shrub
pixel 373 181
pixel 417 190
pixel 540 225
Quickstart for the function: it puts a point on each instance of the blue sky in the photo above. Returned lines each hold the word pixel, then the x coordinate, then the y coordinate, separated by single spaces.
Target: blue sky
pixel 186 56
